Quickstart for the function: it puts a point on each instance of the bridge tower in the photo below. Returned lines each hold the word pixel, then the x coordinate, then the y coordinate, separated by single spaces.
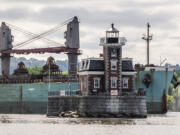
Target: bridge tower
pixel 72 41
pixel 6 40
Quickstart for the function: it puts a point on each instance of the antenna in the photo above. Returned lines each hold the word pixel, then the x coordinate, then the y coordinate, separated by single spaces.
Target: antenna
pixel 148 38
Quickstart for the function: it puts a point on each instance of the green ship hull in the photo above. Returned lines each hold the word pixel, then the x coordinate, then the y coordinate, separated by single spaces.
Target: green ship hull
pixel 157 89
pixel 33 97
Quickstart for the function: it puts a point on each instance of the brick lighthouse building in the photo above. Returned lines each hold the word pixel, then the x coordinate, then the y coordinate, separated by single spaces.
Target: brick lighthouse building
pixel 110 74
pixel 106 84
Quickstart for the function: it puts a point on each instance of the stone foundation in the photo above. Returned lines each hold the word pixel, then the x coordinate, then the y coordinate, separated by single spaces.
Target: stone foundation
pixel 99 106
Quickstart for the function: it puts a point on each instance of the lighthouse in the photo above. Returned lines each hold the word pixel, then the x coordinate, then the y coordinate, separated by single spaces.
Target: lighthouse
pixel 112 53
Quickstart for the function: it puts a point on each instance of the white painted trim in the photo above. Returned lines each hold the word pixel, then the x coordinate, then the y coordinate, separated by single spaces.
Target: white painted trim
pixel 88 64
pixel 85 62
pixel 118 44
pixel 102 73
pixel 81 65
pixel 126 58
pixel 158 68
pixel 91 73
pixel 128 73
pixel 92 58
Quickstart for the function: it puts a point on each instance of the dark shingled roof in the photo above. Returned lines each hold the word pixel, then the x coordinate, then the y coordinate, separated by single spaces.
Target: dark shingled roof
pixel 96 65
pixel 127 65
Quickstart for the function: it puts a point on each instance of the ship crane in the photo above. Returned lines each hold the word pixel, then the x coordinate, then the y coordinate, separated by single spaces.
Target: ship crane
pixel 71 47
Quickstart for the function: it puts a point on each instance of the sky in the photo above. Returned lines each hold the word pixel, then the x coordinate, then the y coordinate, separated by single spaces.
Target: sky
pixel 96 16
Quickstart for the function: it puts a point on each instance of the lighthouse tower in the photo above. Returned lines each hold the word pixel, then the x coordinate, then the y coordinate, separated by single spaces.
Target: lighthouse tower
pixel 112 52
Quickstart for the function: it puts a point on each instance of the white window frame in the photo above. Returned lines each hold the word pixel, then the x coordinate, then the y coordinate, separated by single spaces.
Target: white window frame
pixel 113 63
pixel 113 52
pixel 87 64
pixel 82 64
pixel 125 81
pixel 98 82
pixel 115 80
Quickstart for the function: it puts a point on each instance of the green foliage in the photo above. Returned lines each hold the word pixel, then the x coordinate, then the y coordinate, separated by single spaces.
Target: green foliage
pixel 34 70
pixel 65 73
pixel 171 89
pixel 177 73
pixel 170 102
pixel 174 93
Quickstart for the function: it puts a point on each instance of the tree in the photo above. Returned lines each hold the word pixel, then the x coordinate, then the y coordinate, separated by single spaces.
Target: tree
pixel 34 70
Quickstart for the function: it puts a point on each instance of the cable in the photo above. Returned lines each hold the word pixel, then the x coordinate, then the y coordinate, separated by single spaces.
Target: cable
pixel 43 34
pixel 32 34
pixel 33 39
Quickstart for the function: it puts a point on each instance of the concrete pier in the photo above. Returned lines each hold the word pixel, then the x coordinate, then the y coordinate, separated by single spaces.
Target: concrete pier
pixel 99 106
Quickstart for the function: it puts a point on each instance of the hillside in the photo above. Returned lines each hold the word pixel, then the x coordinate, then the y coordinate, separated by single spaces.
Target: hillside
pixel 63 64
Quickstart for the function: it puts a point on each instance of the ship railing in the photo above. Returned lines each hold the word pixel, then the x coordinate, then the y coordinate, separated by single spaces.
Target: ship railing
pixel 61 79
pixel 7 81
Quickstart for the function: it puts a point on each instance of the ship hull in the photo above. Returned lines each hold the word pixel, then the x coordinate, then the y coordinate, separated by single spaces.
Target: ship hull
pixel 157 90
pixel 31 98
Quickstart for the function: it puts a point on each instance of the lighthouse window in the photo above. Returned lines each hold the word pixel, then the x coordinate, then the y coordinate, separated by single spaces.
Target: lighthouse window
pixel 113 53
pixel 113 82
pixel 113 64
pixel 112 34
pixel 125 83
pixel 82 65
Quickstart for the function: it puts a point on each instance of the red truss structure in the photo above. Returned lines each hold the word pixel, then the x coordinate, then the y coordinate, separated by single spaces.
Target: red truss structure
pixel 43 50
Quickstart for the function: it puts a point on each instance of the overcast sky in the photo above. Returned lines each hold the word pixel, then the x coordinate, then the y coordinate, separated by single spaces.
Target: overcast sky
pixel 129 16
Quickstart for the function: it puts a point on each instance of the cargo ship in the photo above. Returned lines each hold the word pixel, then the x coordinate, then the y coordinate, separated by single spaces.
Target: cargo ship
pixel 155 81
pixel 24 93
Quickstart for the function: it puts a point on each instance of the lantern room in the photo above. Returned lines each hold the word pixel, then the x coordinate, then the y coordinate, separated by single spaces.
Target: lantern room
pixel 112 35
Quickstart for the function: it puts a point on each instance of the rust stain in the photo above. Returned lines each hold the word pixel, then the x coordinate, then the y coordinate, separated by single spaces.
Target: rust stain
pixel 164 102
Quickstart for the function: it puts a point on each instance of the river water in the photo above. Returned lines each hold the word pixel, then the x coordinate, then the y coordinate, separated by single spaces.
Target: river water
pixel 16 124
